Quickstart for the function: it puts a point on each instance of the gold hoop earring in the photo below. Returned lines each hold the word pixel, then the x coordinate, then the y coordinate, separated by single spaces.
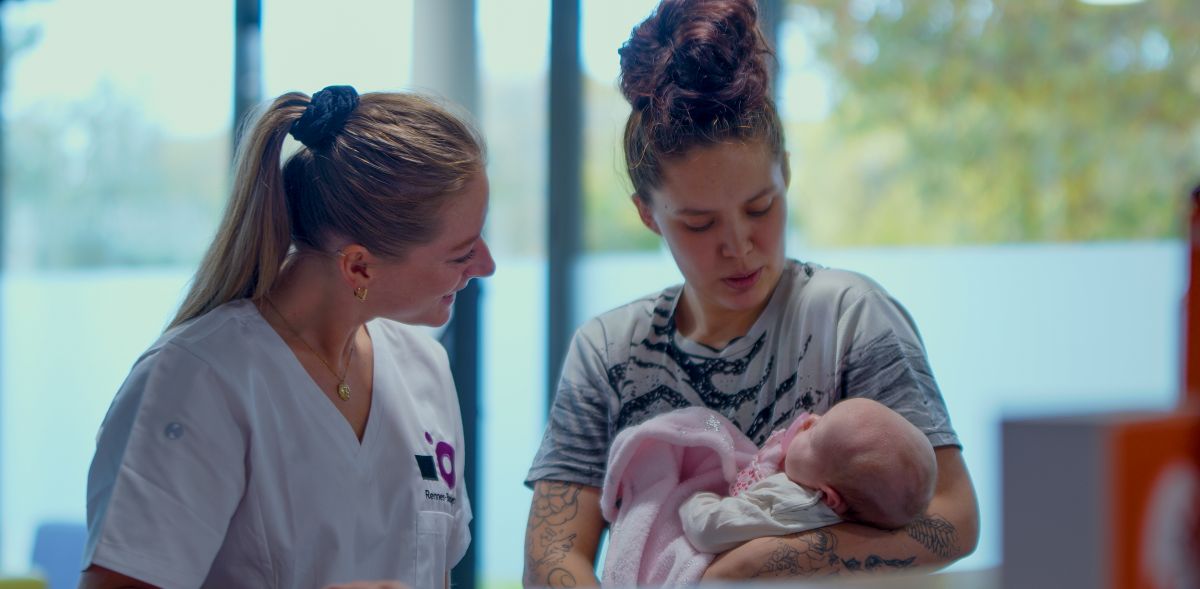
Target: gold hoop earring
pixel 361 293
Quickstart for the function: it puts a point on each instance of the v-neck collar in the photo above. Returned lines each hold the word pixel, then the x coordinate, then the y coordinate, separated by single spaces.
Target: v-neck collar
pixel 332 420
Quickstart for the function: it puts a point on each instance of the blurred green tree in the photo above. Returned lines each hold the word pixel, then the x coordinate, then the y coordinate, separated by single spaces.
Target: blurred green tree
pixel 91 182
pixel 965 121
pixel 977 121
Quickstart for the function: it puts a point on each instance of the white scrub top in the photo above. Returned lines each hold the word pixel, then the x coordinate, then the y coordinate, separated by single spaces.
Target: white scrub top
pixel 222 464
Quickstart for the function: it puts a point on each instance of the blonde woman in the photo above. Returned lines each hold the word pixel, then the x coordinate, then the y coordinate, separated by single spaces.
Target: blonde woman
pixel 290 429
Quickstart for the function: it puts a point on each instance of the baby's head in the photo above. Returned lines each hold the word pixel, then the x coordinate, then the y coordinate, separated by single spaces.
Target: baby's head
pixel 872 465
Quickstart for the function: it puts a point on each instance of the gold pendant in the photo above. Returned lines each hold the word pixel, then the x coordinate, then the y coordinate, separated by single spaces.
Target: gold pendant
pixel 343 391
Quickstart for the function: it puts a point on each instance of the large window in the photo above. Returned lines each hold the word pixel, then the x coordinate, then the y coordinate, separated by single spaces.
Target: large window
pixel 306 45
pixel 513 66
pixel 1013 172
pixel 623 259
pixel 1018 171
pixel 117 150
pixel 981 121
pixel 117 156
pixel 610 219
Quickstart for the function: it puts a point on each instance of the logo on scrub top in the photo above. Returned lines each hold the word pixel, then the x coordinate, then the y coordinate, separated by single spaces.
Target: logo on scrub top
pixel 440 464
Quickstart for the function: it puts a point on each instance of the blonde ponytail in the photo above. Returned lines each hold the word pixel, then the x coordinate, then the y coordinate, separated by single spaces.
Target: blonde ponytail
pixel 255 231
pixel 374 169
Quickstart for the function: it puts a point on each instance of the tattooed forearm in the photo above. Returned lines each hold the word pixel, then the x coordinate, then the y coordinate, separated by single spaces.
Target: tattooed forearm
pixel 546 546
pixel 555 546
pixel 815 553
pixel 804 556
pixel 935 534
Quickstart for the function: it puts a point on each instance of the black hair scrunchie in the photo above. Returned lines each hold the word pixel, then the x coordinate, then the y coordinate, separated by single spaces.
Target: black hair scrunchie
pixel 325 116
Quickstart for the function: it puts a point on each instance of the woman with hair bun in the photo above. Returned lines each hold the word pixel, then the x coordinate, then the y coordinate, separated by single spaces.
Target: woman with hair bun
pixel 750 333
pixel 290 429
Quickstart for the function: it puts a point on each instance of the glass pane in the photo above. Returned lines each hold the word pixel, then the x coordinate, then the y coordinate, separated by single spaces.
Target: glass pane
pixel 1031 159
pixel 110 163
pixel 622 258
pixel 117 150
pixel 610 219
pixel 973 121
pixel 513 65
pixel 307 45
pixel 1017 170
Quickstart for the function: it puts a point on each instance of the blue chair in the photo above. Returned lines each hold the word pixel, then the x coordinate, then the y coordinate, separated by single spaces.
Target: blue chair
pixel 58 552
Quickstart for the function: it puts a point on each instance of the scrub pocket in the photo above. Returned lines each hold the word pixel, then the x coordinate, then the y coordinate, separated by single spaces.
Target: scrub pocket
pixel 433 541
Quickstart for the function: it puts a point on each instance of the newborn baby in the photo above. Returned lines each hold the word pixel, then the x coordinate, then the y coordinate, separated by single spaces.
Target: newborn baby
pixel 859 462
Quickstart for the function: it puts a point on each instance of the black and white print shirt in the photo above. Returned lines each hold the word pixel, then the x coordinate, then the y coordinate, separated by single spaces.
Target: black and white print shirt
pixel 824 336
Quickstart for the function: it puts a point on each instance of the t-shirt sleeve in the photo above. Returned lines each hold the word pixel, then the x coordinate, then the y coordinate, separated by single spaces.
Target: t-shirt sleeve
pixel 883 358
pixel 168 472
pixel 575 445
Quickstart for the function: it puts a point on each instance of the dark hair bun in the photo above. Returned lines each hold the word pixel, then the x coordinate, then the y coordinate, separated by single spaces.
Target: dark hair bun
pixel 696 61
pixel 325 116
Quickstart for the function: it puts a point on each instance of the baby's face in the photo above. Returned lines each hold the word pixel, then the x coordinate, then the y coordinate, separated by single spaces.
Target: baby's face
pixel 802 463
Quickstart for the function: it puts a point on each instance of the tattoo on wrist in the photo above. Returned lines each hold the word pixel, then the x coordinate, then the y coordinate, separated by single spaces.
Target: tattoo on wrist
pixel 560 578
pixel 554 504
pixel 935 534
pixel 875 561
pixel 815 553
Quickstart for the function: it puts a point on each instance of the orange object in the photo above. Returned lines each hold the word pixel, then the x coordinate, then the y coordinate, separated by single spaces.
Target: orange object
pixel 1102 501
pixel 1155 475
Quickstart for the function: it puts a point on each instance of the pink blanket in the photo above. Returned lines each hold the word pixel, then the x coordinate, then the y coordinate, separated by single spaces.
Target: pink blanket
pixel 653 468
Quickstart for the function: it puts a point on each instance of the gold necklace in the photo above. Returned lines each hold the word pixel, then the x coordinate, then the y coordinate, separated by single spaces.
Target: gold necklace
pixel 343 389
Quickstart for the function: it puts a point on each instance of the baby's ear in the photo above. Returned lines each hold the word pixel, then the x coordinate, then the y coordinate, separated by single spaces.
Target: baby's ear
pixel 834 500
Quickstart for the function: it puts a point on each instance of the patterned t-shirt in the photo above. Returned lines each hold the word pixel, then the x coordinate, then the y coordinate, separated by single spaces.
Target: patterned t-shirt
pixel 824 336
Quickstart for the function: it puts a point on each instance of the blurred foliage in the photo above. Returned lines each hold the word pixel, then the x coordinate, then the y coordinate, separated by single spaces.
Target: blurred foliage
pixel 973 121
pixel 610 218
pixel 965 121
pixel 945 122
pixel 91 181
pixel 513 122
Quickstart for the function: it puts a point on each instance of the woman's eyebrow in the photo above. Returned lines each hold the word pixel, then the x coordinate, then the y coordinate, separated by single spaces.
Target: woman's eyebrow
pixel 768 191
pixel 466 243
pixel 696 212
